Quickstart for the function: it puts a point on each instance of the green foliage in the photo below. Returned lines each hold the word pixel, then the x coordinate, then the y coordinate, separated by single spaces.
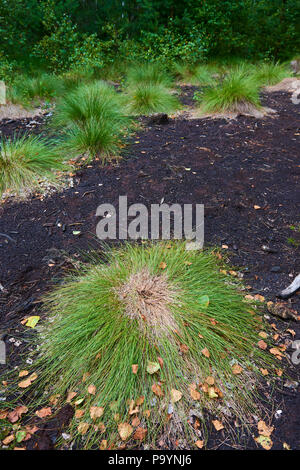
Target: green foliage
pixel 148 98
pixel 270 73
pixel 7 69
pixel 94 119
pixel 24 161
pixel 62 33
pixel 199 326
pixel 235 93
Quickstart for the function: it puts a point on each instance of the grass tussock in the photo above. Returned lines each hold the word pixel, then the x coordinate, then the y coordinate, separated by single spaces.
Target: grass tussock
pixel 145 99
pixel 238 92
pixel 24 161
pixel 148 74
pixel 139 340
pixel 94 120
pixel 270 73
pixel 199 75
pixel 30 91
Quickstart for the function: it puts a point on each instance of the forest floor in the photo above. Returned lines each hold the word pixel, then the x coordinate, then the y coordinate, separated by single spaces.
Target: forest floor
pixel 245 171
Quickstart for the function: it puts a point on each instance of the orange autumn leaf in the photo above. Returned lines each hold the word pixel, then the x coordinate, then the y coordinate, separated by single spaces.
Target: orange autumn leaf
pixel 139 401
pixel 92 389
pixel 134 368
pixel 194 393
pixel 263 334
pixel 135 422
pixel 27 382
pixel 103 444
pixel 217 425
pixel 236 369
pixel 43 412
pixel 205 352
pixel 14 415
pixel 8 439
pixel 262 344
pixel 184 348
pixel 264 371
pixel 162 265
pixel 156 388
pixel 23 373
pixel 140 433
pixel 70 396
pixel 79 414
pixel 160 361
pixel 264 429
pixel 210 380
pixel 3 414
pixel 199 444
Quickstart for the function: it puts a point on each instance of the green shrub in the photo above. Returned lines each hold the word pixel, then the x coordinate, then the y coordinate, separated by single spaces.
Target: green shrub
pixel 148 98
pixel 146 327
pixel 24 161
pixel 237 92
pixel 270 73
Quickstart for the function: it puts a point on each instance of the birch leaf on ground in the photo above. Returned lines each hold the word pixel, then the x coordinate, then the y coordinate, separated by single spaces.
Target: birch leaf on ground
pixel 176 395
pixel 125 431
pixel 152 367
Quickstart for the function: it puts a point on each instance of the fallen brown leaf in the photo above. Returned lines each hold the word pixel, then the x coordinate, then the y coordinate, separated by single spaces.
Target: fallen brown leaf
pixel 140 433
pixel 44 412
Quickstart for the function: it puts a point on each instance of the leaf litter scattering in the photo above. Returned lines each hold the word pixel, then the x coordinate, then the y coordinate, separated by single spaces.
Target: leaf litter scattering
pixel 230 166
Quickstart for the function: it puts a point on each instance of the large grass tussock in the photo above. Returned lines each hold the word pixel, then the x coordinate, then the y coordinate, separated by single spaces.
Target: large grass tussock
pixel 140 339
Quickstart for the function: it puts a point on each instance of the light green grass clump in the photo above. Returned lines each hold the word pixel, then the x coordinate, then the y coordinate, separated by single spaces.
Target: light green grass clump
pixel 32 90
pixel 148 74
pixel 152 332
pixel 24 161
pixel 201 75
pixel 147 99
pixel 76 77
pixel 237 92
pixel 94 120
pixel 270 73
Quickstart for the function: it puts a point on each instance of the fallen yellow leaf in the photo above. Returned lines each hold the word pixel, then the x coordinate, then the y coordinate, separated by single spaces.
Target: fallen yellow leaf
pixel 264 441
pixel 176 395
pixel 236 369
pixel 125 431
pixel 32 321
pixel 218 425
